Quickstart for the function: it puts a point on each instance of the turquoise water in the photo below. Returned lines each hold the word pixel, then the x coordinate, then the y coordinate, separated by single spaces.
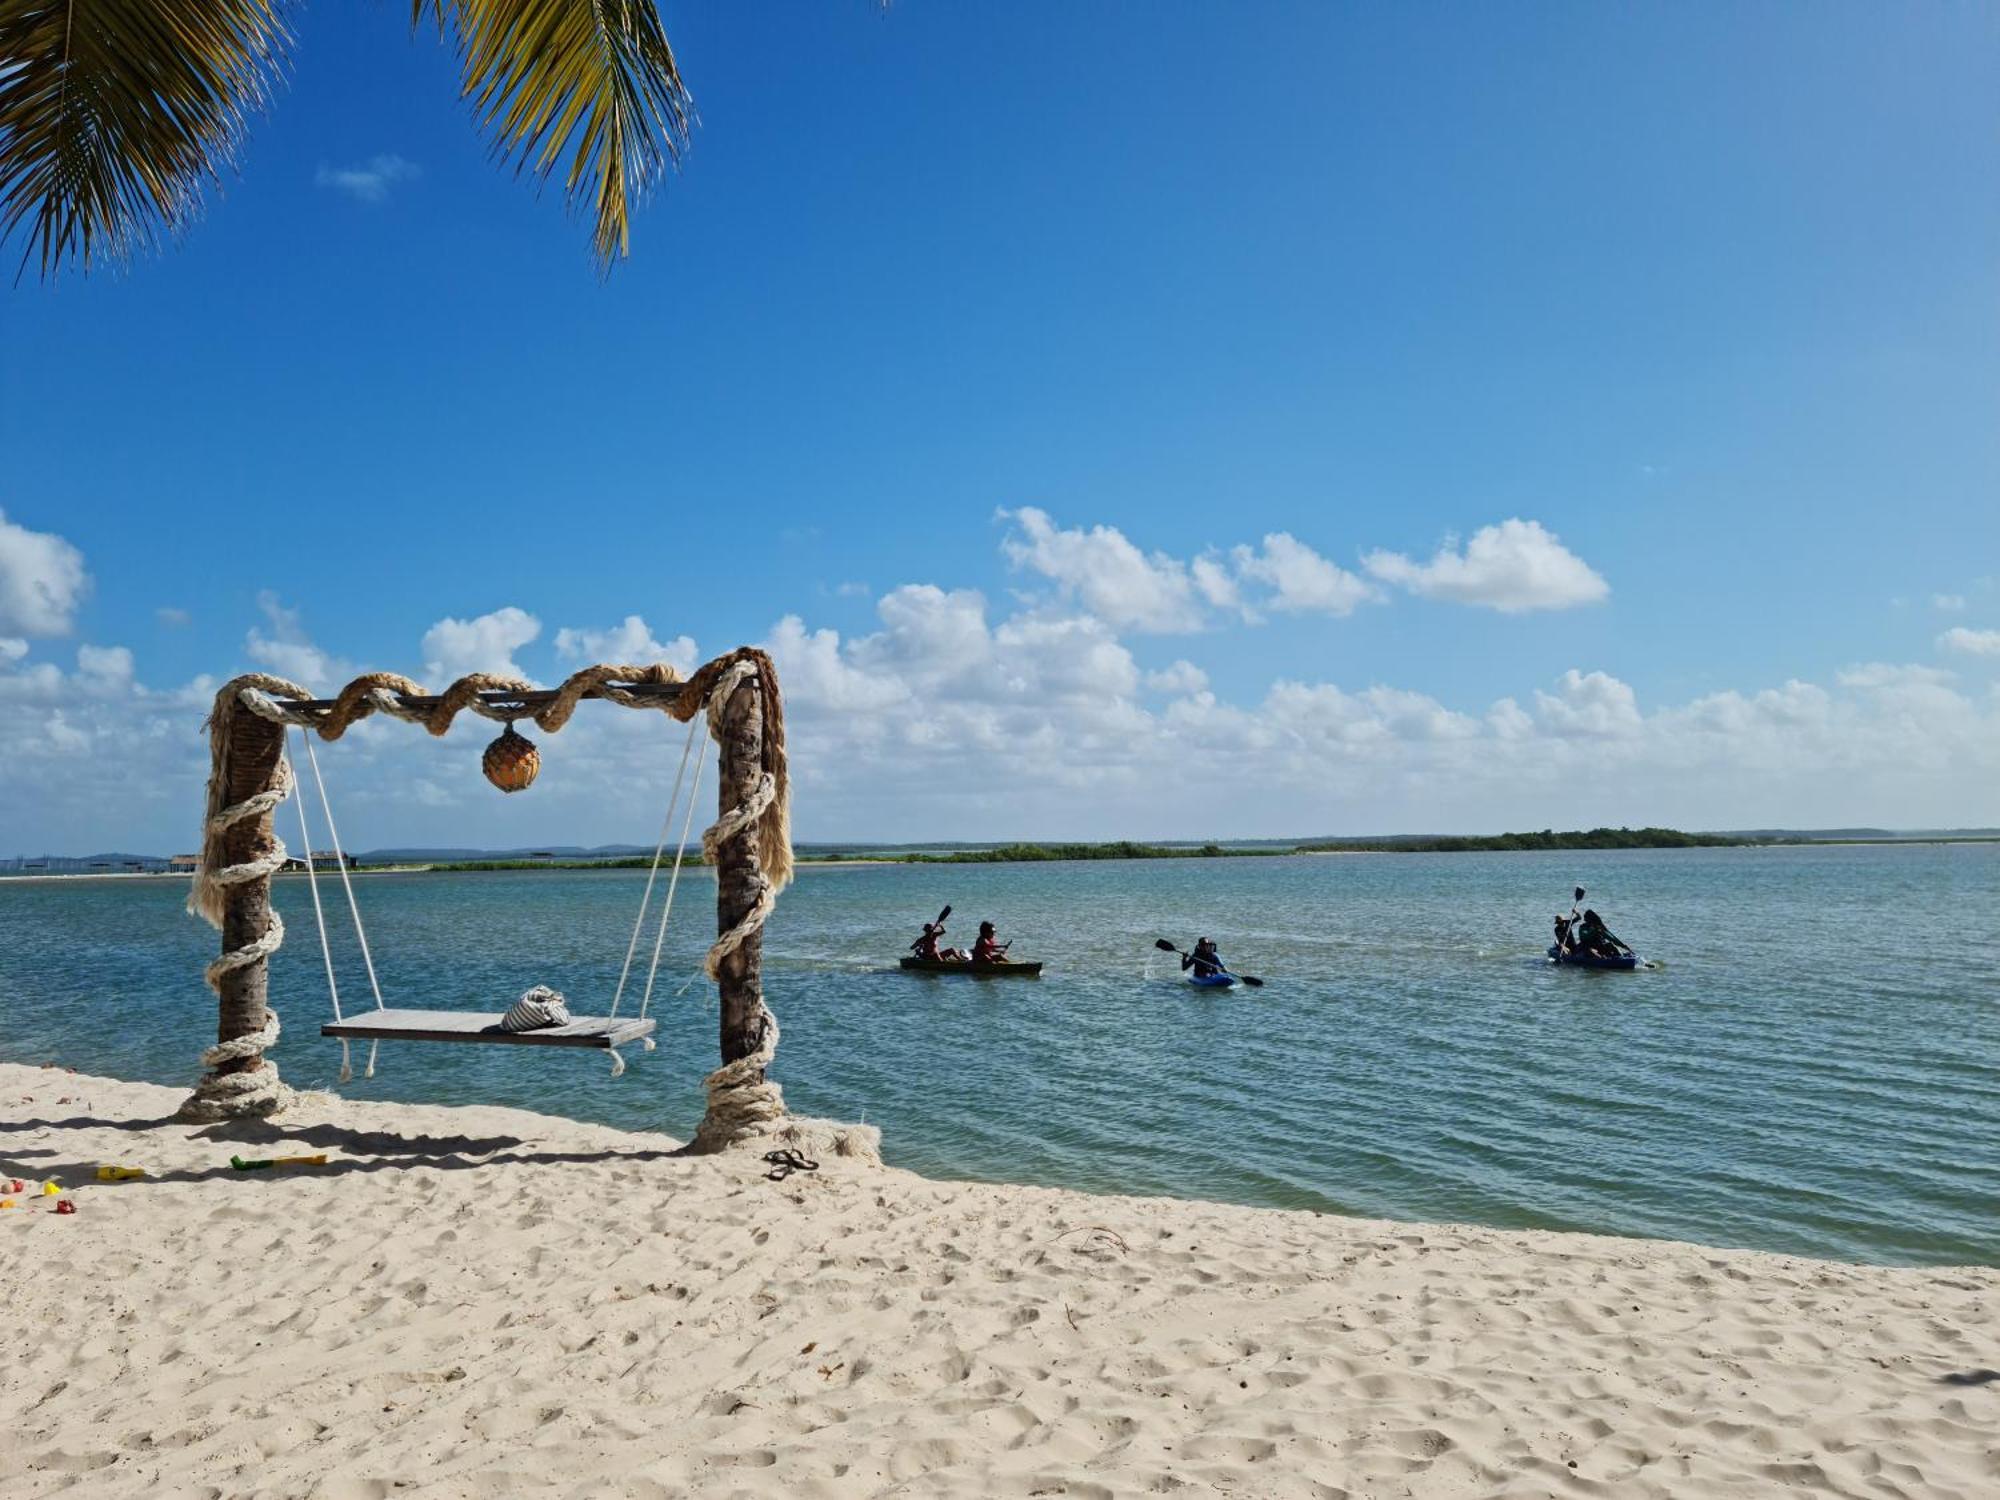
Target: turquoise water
pixel 1815 1069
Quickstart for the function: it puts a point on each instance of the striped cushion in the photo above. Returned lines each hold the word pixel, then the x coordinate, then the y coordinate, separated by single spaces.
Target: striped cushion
pixel 539 1007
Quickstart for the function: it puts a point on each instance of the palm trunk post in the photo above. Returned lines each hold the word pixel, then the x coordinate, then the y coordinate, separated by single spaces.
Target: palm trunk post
pixel 248 775
pixel 739 873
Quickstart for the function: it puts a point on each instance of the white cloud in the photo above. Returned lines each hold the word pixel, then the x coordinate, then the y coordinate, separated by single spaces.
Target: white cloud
pixel 1971 642
pixel 454 648
pixel 1950 604
pixel 629 643
pixel 1592 703
pixel 1881 674
pixel 173 617
pixel 12 648
pixel 1213 582
pixel 370 181
pixel 104 669
pixel 1513 567
pixel 42 581
pixel 1300 579
pixel 288 651
pixel 1111 578
pixel 1182 679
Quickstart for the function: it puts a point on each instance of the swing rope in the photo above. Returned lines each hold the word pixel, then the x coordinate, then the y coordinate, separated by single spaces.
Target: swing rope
pixel 674 880
pixel 652 874
pixel 319 911
pixel 353 911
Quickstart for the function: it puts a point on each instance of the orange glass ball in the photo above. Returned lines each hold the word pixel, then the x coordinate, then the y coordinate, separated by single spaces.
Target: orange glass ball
pixel 512 762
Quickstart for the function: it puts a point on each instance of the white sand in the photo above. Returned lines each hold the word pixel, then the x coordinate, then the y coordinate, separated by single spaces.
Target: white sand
pixel 485 1302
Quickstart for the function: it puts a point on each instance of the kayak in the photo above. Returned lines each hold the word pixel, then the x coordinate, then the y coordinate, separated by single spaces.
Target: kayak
pixel 1013 968
pixel 1219 981
pixel 1592 961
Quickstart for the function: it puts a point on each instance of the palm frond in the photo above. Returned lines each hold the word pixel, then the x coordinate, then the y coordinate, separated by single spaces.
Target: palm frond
pixel 587 89
pixel 113 113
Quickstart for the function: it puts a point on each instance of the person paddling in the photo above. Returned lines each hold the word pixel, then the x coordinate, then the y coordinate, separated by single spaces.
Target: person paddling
pixel 1205 961
pixel 989 949
pixel 926 946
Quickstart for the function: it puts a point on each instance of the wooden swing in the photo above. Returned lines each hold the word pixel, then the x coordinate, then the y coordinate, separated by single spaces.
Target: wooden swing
pixel 749 844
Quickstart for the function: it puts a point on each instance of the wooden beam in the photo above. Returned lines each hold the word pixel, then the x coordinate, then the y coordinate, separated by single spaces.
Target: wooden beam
pixel 537 698
pixel 739 870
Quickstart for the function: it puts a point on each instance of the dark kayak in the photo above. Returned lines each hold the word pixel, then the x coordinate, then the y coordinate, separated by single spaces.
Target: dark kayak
pixel 1216 981
pixel 1010 969
pixel 1592 961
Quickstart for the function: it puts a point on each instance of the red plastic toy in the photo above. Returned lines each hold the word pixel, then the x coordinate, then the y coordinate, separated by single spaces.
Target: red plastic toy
pixel 67 1206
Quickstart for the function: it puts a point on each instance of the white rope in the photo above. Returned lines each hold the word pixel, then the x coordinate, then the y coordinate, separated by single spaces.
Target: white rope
pixel 659 849
pixel 673 882
pixel 742 1101
pixel 319 917
pixel 257 1091
pixel 353 911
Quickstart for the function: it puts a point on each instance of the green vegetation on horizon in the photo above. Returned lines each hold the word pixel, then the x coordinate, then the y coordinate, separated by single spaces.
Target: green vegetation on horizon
pixel 1007 854
pixel 1507 843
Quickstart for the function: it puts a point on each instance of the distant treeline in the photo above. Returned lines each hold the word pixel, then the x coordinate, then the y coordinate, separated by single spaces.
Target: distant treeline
pixel 627 862
pixel 1009 854
pixel 1595 838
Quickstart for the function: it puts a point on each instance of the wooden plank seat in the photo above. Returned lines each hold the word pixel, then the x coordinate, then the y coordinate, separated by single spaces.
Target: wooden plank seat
pixel 602 1032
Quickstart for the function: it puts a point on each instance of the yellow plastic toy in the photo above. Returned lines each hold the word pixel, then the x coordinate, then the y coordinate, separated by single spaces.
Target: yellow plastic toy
pixel 119 1174
pixel 6 1202
pixel 51 1189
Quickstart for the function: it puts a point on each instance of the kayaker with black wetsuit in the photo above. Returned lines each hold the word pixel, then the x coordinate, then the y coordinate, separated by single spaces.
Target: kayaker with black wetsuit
pixel 1205 961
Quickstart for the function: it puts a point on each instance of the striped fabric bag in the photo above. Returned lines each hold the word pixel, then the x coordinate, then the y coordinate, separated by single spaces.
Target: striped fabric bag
pixel 539 1007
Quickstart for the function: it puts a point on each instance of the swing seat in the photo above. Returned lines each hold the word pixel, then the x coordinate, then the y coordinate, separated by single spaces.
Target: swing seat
pixel 601 1032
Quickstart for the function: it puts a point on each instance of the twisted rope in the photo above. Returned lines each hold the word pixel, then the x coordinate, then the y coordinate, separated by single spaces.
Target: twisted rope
pixel 742 1101
pixel 255 1091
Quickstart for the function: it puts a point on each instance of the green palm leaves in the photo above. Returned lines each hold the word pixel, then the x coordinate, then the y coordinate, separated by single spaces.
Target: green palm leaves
pixel 114 113
pixel 584 88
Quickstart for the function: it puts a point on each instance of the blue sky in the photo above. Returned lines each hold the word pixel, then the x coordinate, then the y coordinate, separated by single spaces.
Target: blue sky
pixel 1709 296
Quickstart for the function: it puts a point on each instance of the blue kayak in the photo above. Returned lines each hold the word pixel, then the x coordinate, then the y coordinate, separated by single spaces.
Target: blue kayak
pixel 1217 981
pixel 1592 960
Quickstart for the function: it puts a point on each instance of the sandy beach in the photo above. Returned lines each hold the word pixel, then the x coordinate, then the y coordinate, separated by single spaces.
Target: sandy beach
pixel 487 1302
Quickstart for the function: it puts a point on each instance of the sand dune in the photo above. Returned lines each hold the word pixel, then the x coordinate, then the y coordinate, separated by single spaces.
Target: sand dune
pixel 486 1302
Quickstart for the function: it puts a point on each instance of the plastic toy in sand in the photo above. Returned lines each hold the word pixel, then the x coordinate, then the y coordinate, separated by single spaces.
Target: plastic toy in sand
pixel 241 1165
pixel 67 1206
pixel 119 1174
pixel 52 1189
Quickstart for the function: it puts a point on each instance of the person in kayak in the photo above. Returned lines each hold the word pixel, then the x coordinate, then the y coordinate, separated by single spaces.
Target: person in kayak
pixel 1562 935
pixel 1594 938
pixel 927 947
pixel 989 949
pixel 1205 961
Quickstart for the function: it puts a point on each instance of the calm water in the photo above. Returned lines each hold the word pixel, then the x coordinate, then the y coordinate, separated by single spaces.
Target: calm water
pixel 1815 1069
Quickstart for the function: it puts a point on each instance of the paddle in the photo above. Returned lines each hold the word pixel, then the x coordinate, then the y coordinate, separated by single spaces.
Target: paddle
pixel 1250 979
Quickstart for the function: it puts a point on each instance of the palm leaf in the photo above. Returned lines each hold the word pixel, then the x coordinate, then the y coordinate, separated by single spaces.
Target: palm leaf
pixel 584 89
pixel 113 113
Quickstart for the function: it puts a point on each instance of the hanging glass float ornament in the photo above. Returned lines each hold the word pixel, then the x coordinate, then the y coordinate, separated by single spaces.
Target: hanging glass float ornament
pixel 512 761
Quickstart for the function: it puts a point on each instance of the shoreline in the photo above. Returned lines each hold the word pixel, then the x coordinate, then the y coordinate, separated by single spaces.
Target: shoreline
pixel 503 865
pixel 460 1284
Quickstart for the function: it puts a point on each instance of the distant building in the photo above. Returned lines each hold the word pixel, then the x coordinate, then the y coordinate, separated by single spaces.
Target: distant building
pixel 183 864
pixel 324 859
